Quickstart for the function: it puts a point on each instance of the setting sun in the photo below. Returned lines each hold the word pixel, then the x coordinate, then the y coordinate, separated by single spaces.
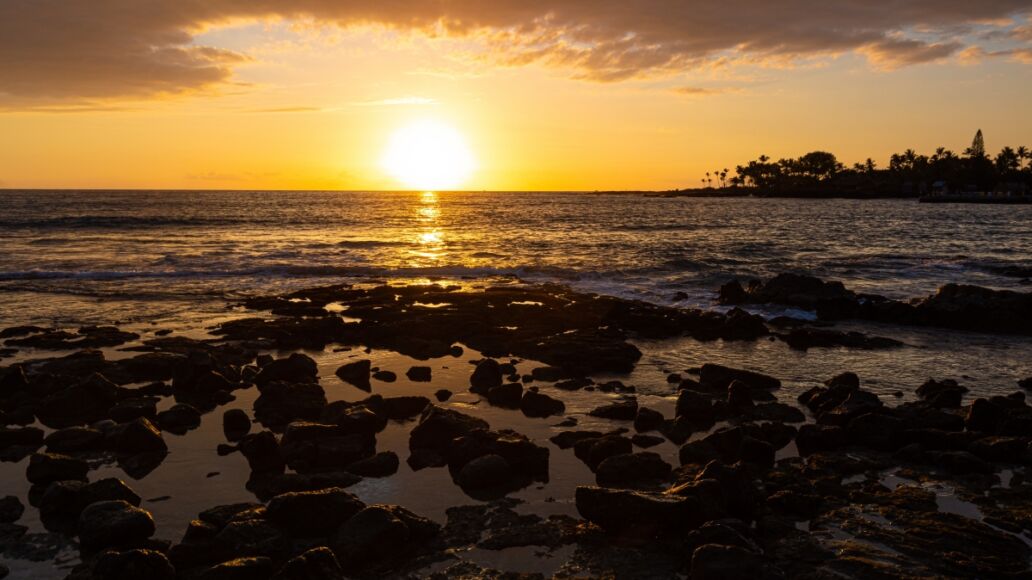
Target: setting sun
pixel 428 155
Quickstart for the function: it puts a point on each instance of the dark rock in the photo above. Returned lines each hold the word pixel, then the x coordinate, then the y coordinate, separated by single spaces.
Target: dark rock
pixel 235 424
pixel 73 439
pixel 45 468
pixel 137 436
pixel 646 441
pixel 370 535
pixel 622 510
pixel 594 451
pixel 984 416
pixel 315 564
pixel 113 523
pixel 252 538
pixel 401 408
pixel 419 374
pixel 139 564
pixel 11 509
pixel 438 426
pixel 720 377
pixel 129 409
pixel 567 439
pixel 693 406
pixel 262 451
pixel 24 436
pixel 297 368
pixel 509 395
pixel 386 377
pixel 442 395
pixel 356 373
pixel 620 411
pixel 540 405
pixel 179 418
pixel 313 513
pixel 632 470
pixel 485 471
pixel 252 568
pixel 717 562
pixel 280 403
pixel 647 420
pixel 310 447
pixel 487 374
pixel 84 402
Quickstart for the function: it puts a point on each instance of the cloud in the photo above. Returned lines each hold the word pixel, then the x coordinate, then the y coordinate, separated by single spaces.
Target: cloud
pixel 704 91
pixel 58 50
pixel 894 53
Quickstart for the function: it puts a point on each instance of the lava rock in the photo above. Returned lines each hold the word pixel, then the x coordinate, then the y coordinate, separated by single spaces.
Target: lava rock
pixel 540 405
pixel 235 424
pixel 46 468
pixel 487 374
pixel 620 411
pixel 315 564
pixel 419 374
pixel 357 374
pixel 297 368
pixel 113 523
pixel 313 513
pixel 632 470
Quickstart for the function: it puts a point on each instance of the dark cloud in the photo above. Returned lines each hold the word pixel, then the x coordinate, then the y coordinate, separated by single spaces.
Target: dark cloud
pixel 53 50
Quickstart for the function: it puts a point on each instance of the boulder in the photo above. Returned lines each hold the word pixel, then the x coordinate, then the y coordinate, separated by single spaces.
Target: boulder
pixel 484 472
pixel 252 568
pixel 419 374
pixel 540 405
pixel 719 377
pixel 137 436
pixel 647 420
pixel 262 451
pixel 315 564
pixel 371 534
pixel 280 403
pixel 46 468
pixel 719 562
pixel 645 513
pixel 107 524
pixel 179 418
pixel 487 374
pixel 356 374
pixel 386 377
pixel 297 368
pixel 74 439
pixel 620 411
pixel 11 509
pixel 632 470
pixel 438 426
pixel 509 395
pixel 594 451
pixel 313 513
pixel 235 424
pixel 401 408
pixel 138 564
pixel 383 464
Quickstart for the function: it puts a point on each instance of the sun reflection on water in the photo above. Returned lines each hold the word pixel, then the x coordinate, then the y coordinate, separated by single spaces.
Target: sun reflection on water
pixel 431 239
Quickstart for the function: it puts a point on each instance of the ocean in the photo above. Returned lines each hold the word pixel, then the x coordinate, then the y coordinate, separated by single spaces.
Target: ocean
pixel 70 257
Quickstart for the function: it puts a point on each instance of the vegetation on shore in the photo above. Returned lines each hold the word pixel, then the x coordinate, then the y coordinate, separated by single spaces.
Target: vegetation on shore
pixel 909 174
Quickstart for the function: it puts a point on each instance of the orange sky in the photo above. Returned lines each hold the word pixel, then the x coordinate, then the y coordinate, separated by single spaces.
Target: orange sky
pixel 546 99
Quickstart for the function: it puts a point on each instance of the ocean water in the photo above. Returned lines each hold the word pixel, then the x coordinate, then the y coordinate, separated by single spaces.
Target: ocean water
pixel 102 256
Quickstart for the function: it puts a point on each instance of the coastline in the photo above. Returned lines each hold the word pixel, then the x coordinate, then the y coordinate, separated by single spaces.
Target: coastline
pixel 701 425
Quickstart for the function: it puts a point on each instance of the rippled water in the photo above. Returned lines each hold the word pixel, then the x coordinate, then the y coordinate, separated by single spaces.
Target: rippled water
pixel 143 253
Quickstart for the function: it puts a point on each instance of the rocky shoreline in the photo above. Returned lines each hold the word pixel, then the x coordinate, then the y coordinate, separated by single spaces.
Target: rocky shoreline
pixel 828 483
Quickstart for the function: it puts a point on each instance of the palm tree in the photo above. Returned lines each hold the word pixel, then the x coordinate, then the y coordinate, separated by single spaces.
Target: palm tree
pixel 708 180
pixel 1023 154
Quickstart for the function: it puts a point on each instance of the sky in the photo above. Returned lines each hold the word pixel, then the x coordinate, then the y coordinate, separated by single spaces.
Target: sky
pixel 545 95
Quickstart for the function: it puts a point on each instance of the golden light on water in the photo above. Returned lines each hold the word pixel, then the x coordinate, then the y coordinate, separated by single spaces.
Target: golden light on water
pixel 431 240
pixel 429 155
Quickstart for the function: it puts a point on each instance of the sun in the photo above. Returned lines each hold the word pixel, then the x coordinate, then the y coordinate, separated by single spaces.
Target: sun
pixel 428 155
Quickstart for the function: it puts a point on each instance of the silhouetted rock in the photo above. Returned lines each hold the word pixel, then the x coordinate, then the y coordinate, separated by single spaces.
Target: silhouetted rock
pixel 313 513
pixel 235 424
pixel 540 405
pixel 620 411
pixel 113 523
pixel 486 375
pixel 315 564
pixel 419 374
pixel 45 468
pixel 297 368
pixel 356 373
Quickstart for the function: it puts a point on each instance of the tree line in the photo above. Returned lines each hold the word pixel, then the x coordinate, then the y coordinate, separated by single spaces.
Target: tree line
pixel 908 173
